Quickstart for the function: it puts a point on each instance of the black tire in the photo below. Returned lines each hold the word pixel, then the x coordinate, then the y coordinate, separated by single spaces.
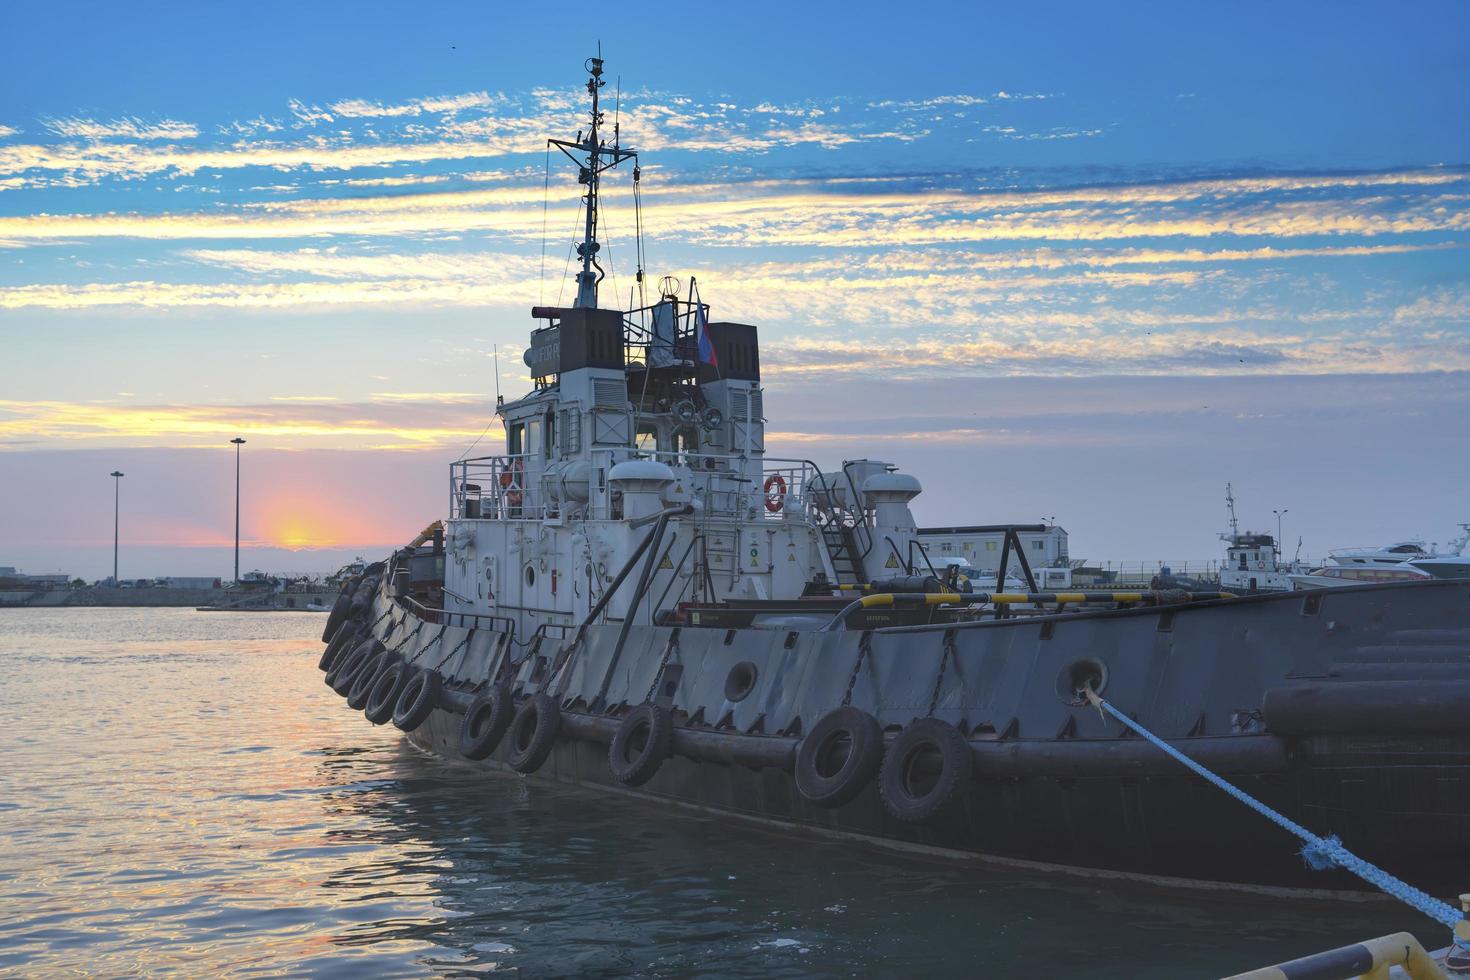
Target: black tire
pixel 341 676
pixel 641 744
pixel 384 696
pixel 925 771
pixel 336 617
pixel 533 733
pixel 839 757
pixel 344 640
pixel 362 684
pixel 486 722
pixel 417 700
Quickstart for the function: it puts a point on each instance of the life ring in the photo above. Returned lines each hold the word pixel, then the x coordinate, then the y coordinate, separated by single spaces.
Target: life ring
pixel 383 698
pixel 417 700
pixel 512 479
pixel 533 733
pixel 839 757
pixel 485 722
pixel 775 489
pixel 912 795
pixel 641 744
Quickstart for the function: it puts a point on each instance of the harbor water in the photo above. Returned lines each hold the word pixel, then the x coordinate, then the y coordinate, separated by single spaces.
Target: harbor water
pixel 181 794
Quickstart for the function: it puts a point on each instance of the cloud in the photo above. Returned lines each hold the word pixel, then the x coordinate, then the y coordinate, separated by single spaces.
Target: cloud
pixel 390 422
pixel 844 213
pixel 127 128
pixel 440 104
pixel 8 131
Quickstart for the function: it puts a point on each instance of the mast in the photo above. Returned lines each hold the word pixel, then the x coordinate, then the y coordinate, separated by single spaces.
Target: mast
pixel 1230 502
pixel 592 156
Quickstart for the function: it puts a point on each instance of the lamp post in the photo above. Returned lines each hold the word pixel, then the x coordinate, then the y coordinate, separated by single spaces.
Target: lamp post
pixel 116 494
pixel 1278 514
pixel 237 442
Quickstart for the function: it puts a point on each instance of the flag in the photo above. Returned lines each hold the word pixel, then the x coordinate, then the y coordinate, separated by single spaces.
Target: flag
pixel 701 334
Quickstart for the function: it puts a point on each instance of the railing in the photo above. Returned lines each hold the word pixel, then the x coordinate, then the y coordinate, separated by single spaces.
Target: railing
pixel 463 620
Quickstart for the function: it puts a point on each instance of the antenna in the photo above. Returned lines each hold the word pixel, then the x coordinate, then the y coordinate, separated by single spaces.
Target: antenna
pixel 1230 503
pixel 592 156
pixel 499 399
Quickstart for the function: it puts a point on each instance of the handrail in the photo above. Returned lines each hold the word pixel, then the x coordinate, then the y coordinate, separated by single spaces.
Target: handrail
pixel 1003 599
pixel 447 617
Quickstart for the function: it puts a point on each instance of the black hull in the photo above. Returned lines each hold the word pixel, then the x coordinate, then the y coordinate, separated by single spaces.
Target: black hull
pixel 1349 713
pixel 1173 827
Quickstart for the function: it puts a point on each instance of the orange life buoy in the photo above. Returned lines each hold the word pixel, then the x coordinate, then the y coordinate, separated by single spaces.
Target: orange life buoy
pixel 511 480
pixel 775 492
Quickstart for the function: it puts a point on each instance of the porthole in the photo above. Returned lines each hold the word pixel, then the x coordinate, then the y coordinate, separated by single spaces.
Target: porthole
pixel 530 576
pixel 740 681
pixel 1079 675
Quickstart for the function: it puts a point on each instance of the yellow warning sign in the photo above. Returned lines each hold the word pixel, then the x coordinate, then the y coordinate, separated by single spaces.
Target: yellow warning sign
pixel 791 557
pixel 666 565
pixel 892 562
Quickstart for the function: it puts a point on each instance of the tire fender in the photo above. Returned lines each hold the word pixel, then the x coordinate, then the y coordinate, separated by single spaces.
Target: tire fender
pixel 485 723
pixel 383 697
pixel 839 757
pixel 533 733
pixel 417 700
pixel 641 744
pixel 925 771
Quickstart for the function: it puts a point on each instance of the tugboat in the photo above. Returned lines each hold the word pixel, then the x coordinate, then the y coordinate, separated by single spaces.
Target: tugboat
pixel 635 597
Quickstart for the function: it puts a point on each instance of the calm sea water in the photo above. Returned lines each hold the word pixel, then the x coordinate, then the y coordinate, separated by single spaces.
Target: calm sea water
pixel 180 793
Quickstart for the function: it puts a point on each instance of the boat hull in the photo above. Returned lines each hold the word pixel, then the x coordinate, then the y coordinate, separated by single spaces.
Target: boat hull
pixel 1053 783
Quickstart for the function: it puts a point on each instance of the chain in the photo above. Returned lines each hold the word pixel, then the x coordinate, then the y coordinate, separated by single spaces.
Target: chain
pixel 863 648
pixel 427 646
pixel 386 613
pixel 404 642
pixel 462 644
pixel 949 651
pixel 673 645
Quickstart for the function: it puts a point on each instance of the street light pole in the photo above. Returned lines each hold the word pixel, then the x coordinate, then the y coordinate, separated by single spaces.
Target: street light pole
pixel 1279 514
pixel 237 442
pixel 116 493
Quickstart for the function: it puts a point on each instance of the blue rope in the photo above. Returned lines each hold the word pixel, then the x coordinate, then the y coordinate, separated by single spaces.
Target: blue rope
pixel 1320 853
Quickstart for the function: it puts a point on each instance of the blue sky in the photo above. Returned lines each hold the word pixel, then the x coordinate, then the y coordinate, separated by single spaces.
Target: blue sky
pixel 1150 249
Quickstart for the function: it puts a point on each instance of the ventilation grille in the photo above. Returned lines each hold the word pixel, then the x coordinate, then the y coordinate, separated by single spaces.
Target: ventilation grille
pixel 569 428
pixel 611 392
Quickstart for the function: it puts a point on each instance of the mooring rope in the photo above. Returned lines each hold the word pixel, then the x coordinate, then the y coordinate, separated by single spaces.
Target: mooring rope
pixel 1320 853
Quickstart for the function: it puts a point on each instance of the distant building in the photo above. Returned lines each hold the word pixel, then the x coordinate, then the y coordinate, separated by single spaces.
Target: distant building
pixel 1045 545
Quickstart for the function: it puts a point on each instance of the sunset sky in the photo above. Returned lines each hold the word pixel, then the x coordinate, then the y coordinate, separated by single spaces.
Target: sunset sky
pixel 1056 261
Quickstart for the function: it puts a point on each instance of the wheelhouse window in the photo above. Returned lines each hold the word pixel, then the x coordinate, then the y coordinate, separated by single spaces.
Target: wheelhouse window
pixel 515 439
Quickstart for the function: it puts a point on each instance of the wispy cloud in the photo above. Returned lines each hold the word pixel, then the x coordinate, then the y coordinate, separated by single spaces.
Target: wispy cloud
pixel 408 421
pixel 127 128
pixel 434 105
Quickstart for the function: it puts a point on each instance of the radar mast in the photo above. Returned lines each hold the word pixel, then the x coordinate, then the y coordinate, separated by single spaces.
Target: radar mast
pixel 593 155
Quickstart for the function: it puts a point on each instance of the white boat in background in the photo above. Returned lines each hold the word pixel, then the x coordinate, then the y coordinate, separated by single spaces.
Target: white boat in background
pixel 1252 561
pixel 1388 556
pixel 1331 576
pixel 1453 564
